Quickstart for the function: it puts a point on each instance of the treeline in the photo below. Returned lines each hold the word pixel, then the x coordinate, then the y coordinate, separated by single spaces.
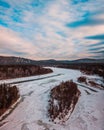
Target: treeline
pixel 88 68
pixel 8 95
pixel 16 71
pixel 63 99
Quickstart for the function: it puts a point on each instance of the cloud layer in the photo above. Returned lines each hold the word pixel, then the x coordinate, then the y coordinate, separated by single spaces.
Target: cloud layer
pixel 44 29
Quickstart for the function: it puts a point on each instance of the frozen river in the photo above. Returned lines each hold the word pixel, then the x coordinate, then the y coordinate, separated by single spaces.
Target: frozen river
pixel 31 112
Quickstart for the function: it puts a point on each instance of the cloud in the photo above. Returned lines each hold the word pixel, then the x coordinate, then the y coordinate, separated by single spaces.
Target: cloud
pixel 57 29
pixel 85 22
pixel 100 53
pixel 4 4
pixel 96 49
pixel 97 44
pixel 11 43
pixel 96 37
pixel 87 19
pixel 79 1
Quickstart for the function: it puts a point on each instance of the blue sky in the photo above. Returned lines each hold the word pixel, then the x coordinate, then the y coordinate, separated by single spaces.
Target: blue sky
pixel 52 29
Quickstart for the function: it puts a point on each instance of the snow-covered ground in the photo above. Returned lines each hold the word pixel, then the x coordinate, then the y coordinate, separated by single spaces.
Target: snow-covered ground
pixel 31 112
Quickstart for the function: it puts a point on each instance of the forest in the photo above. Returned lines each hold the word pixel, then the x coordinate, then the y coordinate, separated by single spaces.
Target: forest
pixel 16 71
pixel 88 68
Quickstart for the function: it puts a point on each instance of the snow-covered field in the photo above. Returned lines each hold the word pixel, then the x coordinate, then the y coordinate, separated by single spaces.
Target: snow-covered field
pixel 31 112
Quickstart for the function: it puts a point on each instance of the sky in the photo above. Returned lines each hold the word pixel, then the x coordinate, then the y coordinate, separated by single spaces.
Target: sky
pixel 52 29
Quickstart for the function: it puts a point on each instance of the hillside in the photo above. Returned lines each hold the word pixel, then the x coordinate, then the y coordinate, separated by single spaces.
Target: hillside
pixel 11 60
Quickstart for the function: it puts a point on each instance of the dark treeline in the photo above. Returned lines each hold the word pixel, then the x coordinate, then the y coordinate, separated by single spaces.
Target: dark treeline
pixel 88 68
pixel 8 95
pixel 16 71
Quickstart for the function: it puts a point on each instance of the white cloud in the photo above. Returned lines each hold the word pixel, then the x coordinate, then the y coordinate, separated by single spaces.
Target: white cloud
pixel 42 34
pixel 10 40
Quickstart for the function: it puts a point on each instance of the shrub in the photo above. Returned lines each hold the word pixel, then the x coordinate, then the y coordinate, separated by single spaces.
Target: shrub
pixel 82 79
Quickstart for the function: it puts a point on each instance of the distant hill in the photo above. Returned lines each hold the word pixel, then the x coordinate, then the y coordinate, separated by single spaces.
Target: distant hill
pixel 11 60
pixel 78 61
pixel 87 60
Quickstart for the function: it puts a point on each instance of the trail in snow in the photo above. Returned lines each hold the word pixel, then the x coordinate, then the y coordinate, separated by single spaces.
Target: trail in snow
pixel 31 113
pixel 34 79
pixel 84 86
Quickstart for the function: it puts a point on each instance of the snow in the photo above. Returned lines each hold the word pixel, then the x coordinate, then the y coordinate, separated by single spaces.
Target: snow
pixel 55 103
pixel 31 112
pixel 10 109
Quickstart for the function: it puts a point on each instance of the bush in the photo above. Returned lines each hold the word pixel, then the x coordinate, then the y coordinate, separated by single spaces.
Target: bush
pixel 82 79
